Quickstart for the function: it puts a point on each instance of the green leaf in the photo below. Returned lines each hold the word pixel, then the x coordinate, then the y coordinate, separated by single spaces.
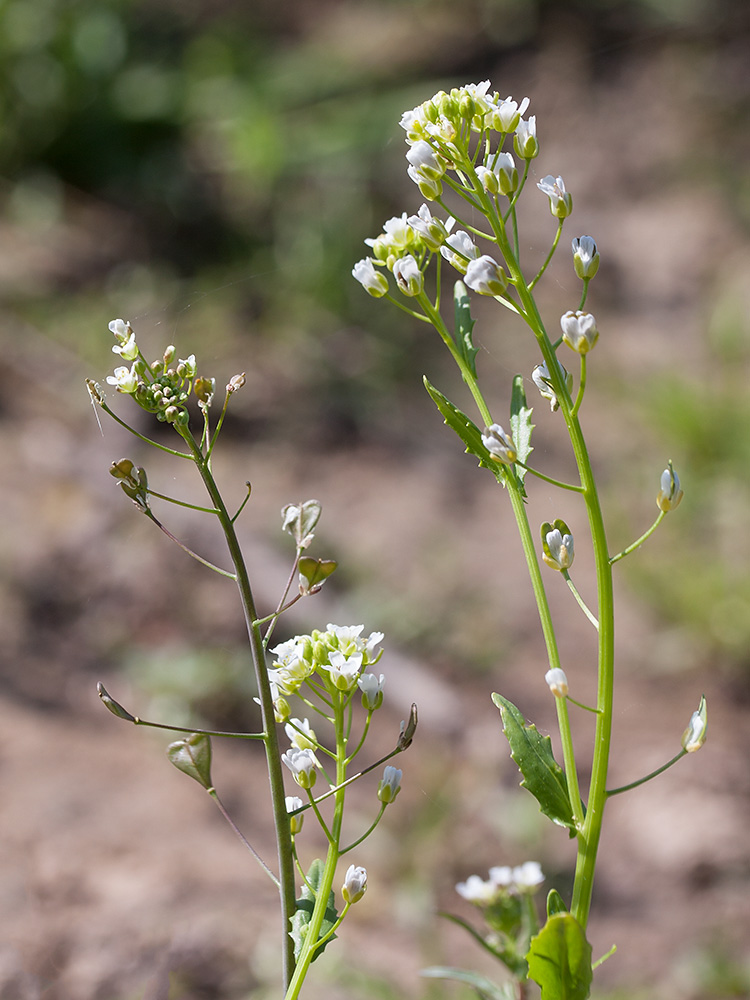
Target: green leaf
pixel 555 903
pixel 467 430
pixel 560 959
pixel 305 906
pixel 464 326
pixel 483 986
pixel 542 775
pixel 520 424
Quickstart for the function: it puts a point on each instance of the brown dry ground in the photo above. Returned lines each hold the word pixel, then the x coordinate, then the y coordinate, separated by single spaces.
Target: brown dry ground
pixel 117 872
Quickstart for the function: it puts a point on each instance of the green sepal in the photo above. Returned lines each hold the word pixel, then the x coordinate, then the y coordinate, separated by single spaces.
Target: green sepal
pixel 542 775
pixel 193 756
pixel 520 425
pixel 464 327
pixel 305 906
pixel 560 959
pixel 467 430
pixel 555 903
pixel 484 987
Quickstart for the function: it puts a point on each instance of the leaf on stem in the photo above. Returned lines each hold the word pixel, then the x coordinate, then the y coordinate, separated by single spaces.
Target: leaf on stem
pixel 542 775
pixel 485 988
pixel 560 959
pixel 520 424
pixel 464 327
pixel 305 906
pixel 467 430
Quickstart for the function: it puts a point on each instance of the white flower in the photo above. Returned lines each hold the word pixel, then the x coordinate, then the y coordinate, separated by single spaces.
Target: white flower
pixel 476 890
pixel 294 802
pixel 344 670
pixel 425 160
pixel 187 367
pixel 541 378
pixel 502 876
pixel 302 764
pixel 390 784
pixel 459 250
pixel 579 330
pixel 371 279
pixel 670 494
pixel 506 115
pixel 557 545
pixel 127 349
pixel 501 175
pixel 695 735
pixel 301 735
pixel 585 257
pixel 372 691
pixel 560 202
pixel 124 378
pixel 408 276
pixel 433 232
pixel 557 682
pixel 355 884
pixel 525 141
pixel 499 444
pixel 121 328
pixel 528 876
pixel 429 188
pixel 486 277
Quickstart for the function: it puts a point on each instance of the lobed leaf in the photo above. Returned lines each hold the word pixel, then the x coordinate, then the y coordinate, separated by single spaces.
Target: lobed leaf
pixel 520 424
pixel 542 775
pixel 464 327
pixel 305 906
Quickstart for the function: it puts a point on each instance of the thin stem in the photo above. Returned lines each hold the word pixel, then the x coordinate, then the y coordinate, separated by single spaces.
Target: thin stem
pixel 571 772
pixel 579 600
pixel 182 503
pixel 137 721
pixel 548 479
pixel 639 541
pixel 549 256
pixel 193 555
pixel 581 387
pixel 653 774
pixel 214 795
pixel 366 834
pixel 142 437
pixel 242 505
pixel 271 743
pixel 584 293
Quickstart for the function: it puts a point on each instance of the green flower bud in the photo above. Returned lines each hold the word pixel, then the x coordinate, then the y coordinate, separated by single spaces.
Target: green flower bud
pixel 695 735
pixel 670 494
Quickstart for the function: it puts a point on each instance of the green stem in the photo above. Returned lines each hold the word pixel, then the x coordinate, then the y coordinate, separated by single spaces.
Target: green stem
pixel 579 600
pixel 549 479
pixel 639 541
pixel 366 834
pixel 548 258
pixel 193 555
pixel 581 387
pixel 653 774
pixel 270 741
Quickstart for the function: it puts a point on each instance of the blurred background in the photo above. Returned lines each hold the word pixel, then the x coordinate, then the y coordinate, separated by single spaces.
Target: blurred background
pixel 208 171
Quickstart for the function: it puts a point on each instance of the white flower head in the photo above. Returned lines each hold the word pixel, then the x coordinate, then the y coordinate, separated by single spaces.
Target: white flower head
pixel 486 277
pixel 502 876
pixel 127 349
pixel 294 802
pixel 540 376
pixel 528 877
pixel 506 115
pixel 499 444
pixel 390 784
pixel 560 201
pixel 670 494
pixel 408 276
pixel 302 764
pixel 432 231
pixel 355 884
pixel 371 279
pixel 124 378
pixel 525 141
pixel 426 161
pixel 459 249
pixel 579 330
pixel 344 671
pixel 557 682
pixel 476 890
pixel 557 545
pixel 372 691
pixel 301 734
pixel 585 257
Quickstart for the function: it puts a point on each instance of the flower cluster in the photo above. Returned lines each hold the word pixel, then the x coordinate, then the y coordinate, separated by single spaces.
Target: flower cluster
pixel 525 878
pixel 161 387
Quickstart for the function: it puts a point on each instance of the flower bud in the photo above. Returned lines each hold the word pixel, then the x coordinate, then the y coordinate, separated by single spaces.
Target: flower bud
pixel 236 382
pixel 557 545
pixel 670 494
pixel 355 884
pixel 294 802
pixel 560 202
pixel 372 691
pixel 541 378
pixel 486 277
pixel 429 188
pixel 169 355
pixel 579 330
pixel 499 444
pixel 585 257
pixel 427 163
pixel 408 276
pixel 302 764
pixel 525 142
pixel 557 682
pixel 433 232
pixel 390 784
pixel 301 734
pixel 695 735
pixel 372 280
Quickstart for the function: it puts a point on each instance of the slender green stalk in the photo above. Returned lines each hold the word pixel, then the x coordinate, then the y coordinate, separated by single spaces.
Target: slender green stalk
pixel 639 541
pixel 270 741
pixel 648 777
pixel 579 600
